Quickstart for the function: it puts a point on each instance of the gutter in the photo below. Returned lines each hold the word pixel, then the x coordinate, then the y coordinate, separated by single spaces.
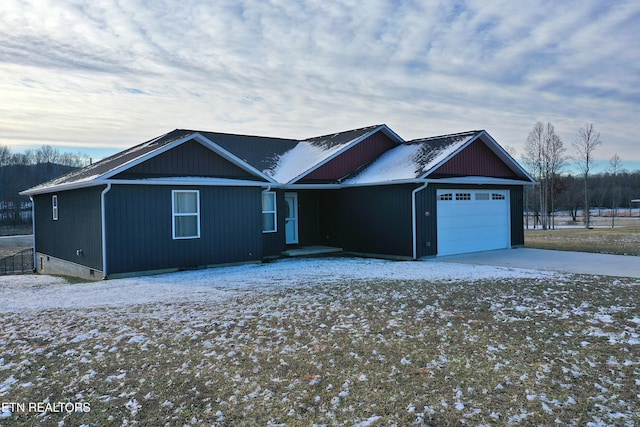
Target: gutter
pixel 33 230
pixel 104 229
pixel 414 219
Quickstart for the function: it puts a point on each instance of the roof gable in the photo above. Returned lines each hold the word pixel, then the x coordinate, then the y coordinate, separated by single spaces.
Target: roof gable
pixel 411 160
pixel 354 157
pixel 310 154
pixel 99 169
pixel 475 159
pixel 472 153
pixel 191 159
pixel 481 156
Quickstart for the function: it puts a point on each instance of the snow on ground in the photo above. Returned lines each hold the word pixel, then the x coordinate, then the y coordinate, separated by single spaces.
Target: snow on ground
pixel 35 292
pixel 325 341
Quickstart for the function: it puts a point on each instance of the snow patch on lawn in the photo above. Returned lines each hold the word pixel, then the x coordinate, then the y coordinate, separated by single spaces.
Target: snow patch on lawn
pixel 37 292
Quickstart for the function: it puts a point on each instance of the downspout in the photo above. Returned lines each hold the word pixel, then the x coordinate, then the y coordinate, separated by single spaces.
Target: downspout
pixel 33 231
pixel 414 219
pixel 104 230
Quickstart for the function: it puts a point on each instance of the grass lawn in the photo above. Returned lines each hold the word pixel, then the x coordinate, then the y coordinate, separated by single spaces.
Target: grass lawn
pixel 619 241
pixel 542 350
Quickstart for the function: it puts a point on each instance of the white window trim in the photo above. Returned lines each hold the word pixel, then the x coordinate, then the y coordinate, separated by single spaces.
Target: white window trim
pixel 175 214
pixel 54 207
pixel 274 211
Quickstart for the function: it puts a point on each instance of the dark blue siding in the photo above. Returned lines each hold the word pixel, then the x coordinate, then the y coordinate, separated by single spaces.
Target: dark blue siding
pixel 140 236
pixel 78 226
pixel 517 213
pixel 377 220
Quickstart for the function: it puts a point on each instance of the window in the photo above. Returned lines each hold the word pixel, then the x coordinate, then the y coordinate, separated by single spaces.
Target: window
pixel 482 196
pixel 496 196
pixel 269 216
pixel 54 207
pixel 463 196
pixel 446 196
pixel 186 214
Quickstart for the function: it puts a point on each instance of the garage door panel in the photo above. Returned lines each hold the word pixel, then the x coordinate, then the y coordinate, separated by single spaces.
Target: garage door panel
pixel 472 220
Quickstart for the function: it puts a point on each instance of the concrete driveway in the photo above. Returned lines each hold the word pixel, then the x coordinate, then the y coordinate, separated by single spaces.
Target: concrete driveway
pixel 540 259
pixel 16 241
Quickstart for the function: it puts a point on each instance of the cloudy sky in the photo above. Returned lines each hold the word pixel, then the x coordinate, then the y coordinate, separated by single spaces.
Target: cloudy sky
pixel 99 76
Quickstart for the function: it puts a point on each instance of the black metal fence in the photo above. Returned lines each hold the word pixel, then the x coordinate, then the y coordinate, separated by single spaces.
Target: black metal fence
pixel 18 263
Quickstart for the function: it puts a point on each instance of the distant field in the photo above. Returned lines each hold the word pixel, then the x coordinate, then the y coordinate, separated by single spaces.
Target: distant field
pixel 619 241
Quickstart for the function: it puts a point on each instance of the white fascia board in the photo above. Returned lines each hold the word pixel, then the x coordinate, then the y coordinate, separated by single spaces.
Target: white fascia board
pixel 192 181
pixel 387 131
pixel 134 162
pixel 493 146
pixel 505 156
pixel 449 157
pixel 63 187
pixel 481 180
pixel 391 134
pixel 465 180
pixel 202 140
pixel 232 158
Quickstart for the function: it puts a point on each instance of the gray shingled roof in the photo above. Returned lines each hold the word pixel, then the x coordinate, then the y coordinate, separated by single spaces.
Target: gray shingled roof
pixel 264 154
pixel 413 159
pixel 286 160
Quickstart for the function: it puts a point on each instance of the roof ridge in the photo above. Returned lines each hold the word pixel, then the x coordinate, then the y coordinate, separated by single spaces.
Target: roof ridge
pixel 204 132
pixel 344 131
pixel 450 135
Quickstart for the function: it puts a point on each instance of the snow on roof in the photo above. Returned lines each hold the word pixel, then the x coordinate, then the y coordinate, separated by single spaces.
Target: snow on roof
pixel 411 160
pixel 98 169
pixel 300 159
pixel 396 164
pixel 313 152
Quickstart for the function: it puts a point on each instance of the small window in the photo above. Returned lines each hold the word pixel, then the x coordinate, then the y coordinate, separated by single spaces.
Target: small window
pixel 445 196
pixel 496 196
pixel 463 196
pixel 54 207
pixel 482 196
pixel 186 214
pixel 269 216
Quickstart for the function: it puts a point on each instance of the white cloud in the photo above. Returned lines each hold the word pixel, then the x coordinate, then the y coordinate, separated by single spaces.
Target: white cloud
pixel 115 73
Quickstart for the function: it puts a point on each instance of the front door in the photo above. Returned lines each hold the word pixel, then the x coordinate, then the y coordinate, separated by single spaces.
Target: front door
pixel 291 218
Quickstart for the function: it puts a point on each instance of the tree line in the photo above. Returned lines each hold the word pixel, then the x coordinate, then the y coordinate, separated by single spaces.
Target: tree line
pixel 44 154
pixel 20 171
pixel 546 159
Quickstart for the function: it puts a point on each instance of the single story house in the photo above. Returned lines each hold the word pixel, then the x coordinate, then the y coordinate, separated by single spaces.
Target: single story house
pixel 190 199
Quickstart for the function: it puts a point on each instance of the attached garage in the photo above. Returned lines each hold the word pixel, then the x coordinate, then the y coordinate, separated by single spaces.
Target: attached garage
pixel 472 220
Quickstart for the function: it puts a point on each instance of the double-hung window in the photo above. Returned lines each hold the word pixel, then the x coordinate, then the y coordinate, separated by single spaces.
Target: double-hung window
pixel 186 214
pixel 269 214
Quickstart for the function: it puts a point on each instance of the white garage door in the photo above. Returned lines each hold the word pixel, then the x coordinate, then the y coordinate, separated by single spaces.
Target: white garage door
pixel 472 220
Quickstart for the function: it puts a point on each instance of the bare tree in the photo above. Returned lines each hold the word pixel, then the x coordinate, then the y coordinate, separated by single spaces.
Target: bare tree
pixel 588 140
pixel 544 153
pixel 5 155
pixel 26 158
pixel 47 154
pixel 615 166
